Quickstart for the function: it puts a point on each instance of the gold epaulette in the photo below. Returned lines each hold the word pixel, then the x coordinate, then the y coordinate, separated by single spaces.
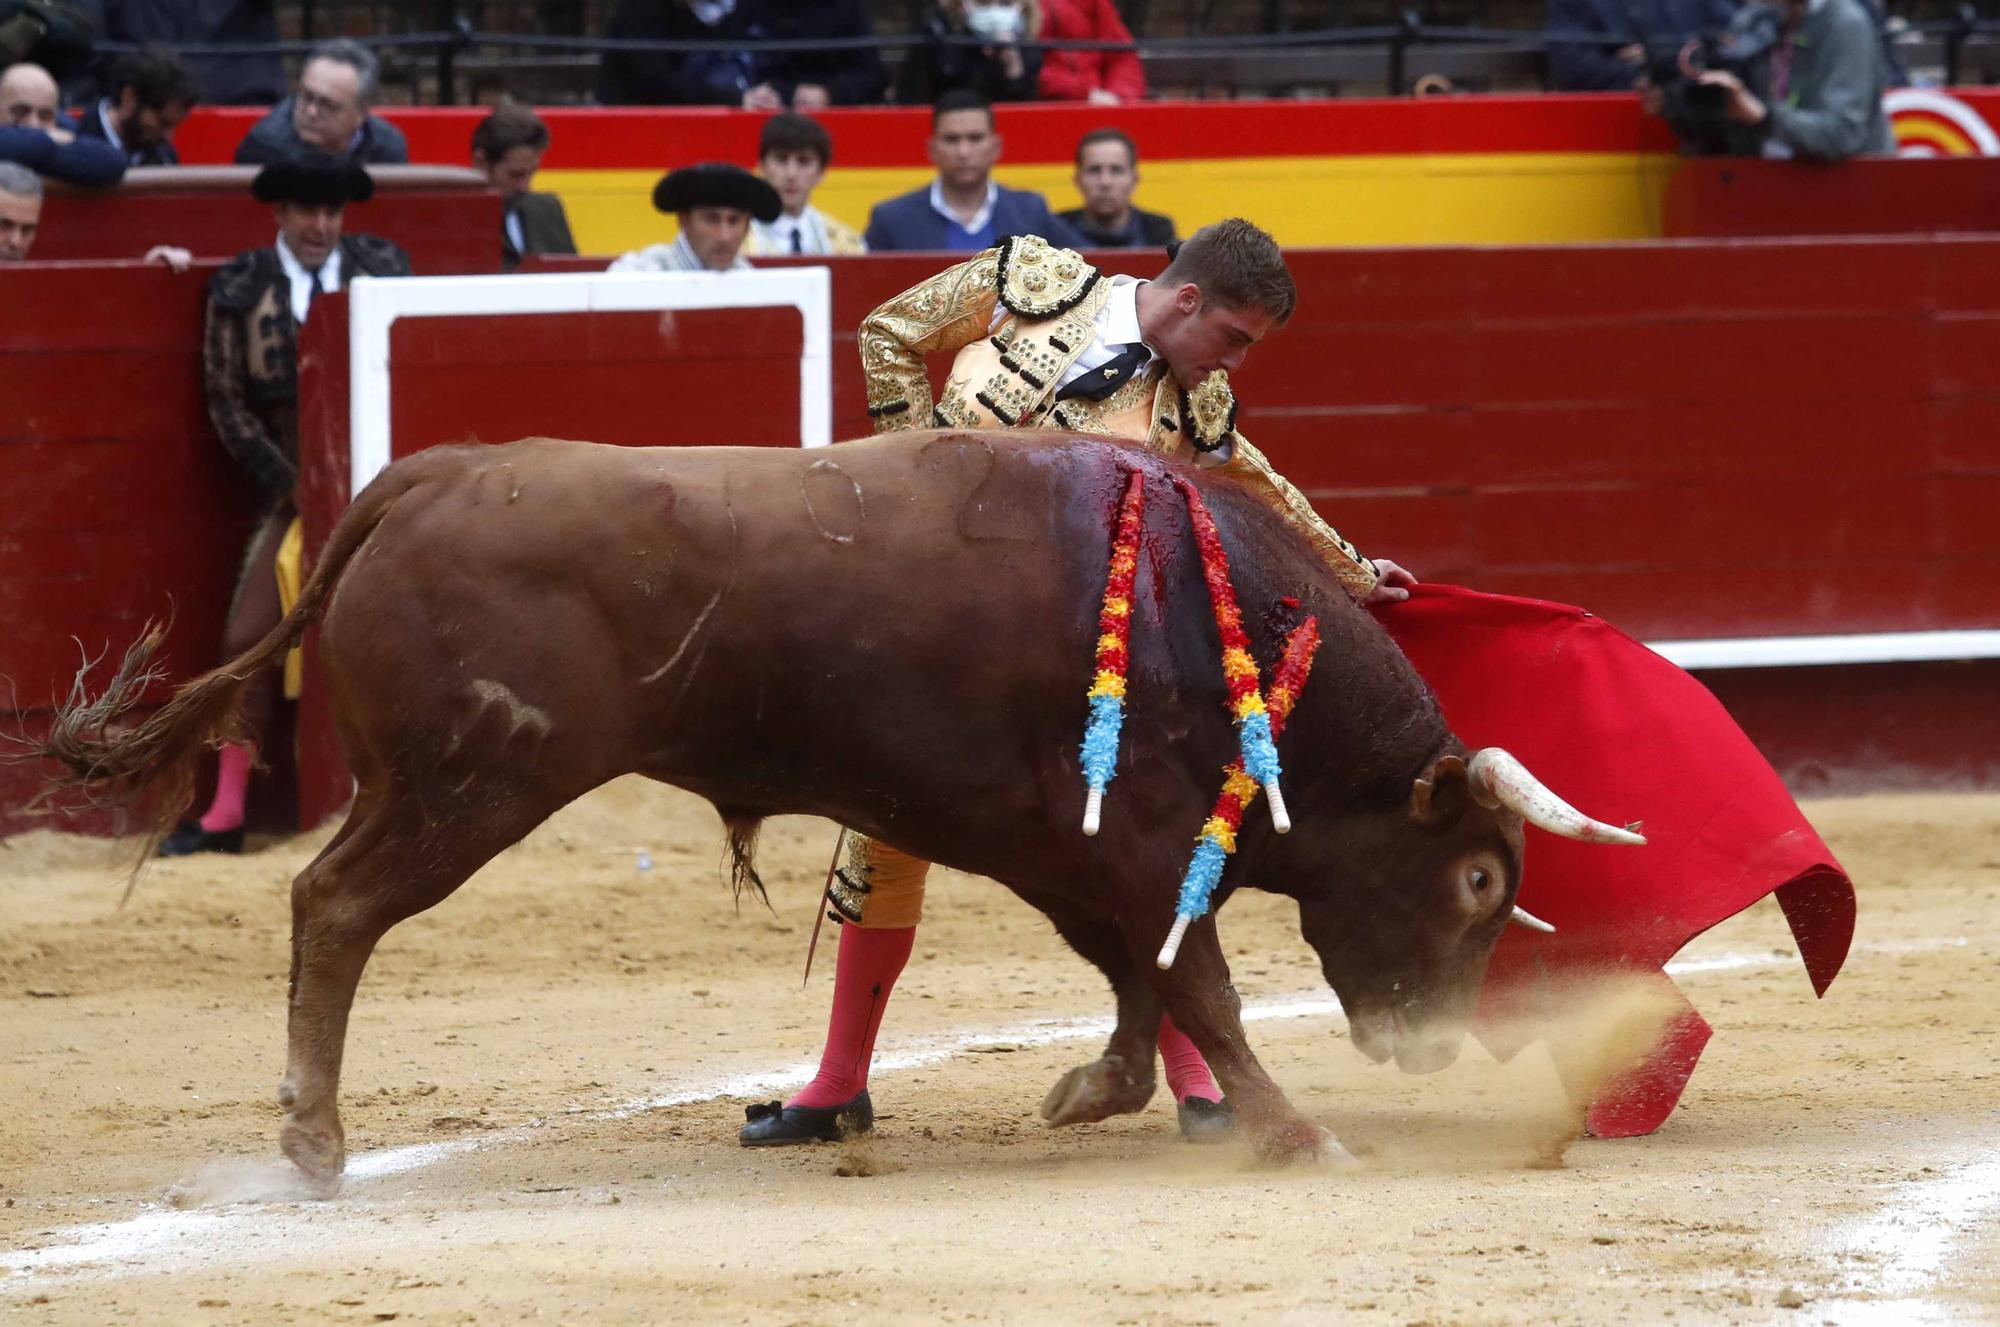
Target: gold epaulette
pixel 1038 280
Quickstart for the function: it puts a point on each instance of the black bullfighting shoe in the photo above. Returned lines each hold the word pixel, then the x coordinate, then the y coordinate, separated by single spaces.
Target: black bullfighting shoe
pixel 779 1125
pixel 190 838
pixel 1205 1121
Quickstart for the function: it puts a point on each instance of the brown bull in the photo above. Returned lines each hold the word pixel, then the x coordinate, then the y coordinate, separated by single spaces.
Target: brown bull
pixel 896 635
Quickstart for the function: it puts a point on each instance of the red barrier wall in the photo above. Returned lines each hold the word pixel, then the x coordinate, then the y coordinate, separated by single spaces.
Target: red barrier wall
pixel 121 506
pixel 448 220
pixel 1693 439
pixel 1718 197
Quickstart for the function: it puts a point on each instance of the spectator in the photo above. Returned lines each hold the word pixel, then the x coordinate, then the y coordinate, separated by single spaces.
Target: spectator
pixel 677 78
pixel 151 93
pixel 813 80
pixel 328 114
pixel 507 148
pixel 256 304
pixel 20 211
pixel 1636 33
pixel 21 220
pixel 805 80
pixel 33 133
pixel 1004 69
pixel 1104 78
pixel 1107 171
pixel 963 209
pixel 1813 91
pixel 714 203
pixel 55 34
pixel 248 78
pixel 793 152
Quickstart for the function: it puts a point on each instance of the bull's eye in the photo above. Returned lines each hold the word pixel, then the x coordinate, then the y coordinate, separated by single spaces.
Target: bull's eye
pixel 1480 880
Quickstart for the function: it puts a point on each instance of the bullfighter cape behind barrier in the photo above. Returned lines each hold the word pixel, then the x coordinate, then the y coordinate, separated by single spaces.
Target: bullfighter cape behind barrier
pixel 1588 708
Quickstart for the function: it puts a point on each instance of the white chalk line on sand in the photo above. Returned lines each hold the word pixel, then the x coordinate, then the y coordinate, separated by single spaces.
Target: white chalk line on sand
pixel 220 1231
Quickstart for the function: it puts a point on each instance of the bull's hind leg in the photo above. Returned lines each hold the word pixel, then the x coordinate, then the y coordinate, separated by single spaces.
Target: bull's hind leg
pixel 389 862
pixel 1119 1082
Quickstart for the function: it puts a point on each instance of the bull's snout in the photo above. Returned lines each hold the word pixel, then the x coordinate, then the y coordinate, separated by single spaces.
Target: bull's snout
pixel 1383 1036
pixel 1428 1051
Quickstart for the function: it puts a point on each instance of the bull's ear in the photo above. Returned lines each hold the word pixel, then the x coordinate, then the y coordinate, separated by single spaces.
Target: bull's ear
pixel 1442 794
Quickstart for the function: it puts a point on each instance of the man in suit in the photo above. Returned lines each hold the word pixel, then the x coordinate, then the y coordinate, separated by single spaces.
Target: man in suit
pixel 256 304
pixel 151 93
pixel 963 209
pixel 507 148
pixel 328 113
pixel 793 152
pixel 1107 171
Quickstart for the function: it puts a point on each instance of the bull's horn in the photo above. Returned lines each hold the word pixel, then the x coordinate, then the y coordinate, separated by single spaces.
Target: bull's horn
pixel 1522 917
pixel 1500 780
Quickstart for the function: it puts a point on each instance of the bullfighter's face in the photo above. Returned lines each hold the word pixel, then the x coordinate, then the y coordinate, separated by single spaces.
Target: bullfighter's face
pixel 1202 335
pixel 716 234
pixel 311 230
pixel 1405 937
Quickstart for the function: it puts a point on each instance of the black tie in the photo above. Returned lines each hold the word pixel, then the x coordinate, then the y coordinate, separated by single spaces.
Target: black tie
pixel 798 239
pixel 313 291
pixel 1108 377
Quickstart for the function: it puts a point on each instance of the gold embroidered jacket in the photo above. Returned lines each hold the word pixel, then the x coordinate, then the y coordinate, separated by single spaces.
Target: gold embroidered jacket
pixel 1009 376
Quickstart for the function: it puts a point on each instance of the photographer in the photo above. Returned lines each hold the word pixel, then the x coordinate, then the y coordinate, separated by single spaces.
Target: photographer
pixel 1800 79
pixel 1630 29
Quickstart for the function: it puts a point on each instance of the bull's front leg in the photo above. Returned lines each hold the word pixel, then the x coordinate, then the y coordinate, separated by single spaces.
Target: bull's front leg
pixel 1199 996
pixel 1119 1082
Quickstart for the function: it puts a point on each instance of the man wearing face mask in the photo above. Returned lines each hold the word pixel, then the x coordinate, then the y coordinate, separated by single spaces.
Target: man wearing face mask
pixel 256 304
pixel 1005 68
pixel 1041 339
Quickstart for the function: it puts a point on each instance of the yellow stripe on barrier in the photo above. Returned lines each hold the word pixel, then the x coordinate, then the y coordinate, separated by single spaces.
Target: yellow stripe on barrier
pixel 1470 198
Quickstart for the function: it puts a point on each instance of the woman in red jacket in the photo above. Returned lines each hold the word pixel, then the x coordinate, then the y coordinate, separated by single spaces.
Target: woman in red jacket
pixel 1102 77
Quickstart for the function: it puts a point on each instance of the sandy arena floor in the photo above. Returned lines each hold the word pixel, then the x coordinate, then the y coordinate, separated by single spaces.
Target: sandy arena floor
pixel 545 1075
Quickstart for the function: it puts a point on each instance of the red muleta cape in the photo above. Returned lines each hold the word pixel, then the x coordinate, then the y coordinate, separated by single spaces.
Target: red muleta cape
pixel 1623 735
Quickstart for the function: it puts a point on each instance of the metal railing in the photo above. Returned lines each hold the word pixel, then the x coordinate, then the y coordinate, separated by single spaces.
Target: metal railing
pixel 1387 46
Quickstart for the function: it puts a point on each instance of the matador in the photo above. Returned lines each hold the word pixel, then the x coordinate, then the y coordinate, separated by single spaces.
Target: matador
pixel 1042 339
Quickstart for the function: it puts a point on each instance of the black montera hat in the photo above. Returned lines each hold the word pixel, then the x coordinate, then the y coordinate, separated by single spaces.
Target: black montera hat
pixel 326 183
pixel 716 184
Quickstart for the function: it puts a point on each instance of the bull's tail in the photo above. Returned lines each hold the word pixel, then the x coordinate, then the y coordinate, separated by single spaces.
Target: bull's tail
pixel 150 768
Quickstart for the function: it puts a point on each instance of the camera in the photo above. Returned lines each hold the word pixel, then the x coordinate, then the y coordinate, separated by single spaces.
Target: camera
pixel 1698 113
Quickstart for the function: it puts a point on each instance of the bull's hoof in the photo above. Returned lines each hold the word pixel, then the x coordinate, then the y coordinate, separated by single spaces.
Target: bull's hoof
pixel 321 1153
pixel 1304 1144
pixel 1096 1091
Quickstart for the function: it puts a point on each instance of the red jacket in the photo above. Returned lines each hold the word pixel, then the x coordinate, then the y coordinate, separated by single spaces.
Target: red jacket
pixel 1072 75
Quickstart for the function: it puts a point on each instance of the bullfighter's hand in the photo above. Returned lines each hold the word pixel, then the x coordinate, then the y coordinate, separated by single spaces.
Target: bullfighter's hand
pixel 763 97
pixel 809 97
pixel 176 258
pixel 1392 583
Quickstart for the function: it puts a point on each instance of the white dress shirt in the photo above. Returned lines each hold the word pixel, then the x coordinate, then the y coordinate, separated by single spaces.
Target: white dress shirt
pixel 301 278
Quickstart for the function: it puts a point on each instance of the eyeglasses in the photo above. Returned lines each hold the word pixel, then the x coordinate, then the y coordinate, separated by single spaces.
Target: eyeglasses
pixel 321 105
